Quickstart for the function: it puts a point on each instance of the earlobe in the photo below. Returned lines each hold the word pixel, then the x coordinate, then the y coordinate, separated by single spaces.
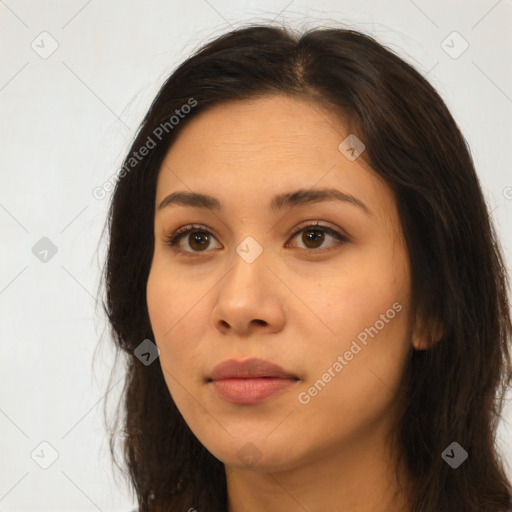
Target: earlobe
pixel 426 334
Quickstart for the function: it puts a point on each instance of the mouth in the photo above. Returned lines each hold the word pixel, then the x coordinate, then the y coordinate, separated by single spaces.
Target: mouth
pixel 251 381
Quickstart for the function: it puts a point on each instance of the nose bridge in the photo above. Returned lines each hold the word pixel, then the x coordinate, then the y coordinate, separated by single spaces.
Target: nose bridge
pixel 246 294
pixel 248 266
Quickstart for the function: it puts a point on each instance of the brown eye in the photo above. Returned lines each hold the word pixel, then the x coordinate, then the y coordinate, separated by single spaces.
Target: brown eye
pixel 313 236
pixel 198 240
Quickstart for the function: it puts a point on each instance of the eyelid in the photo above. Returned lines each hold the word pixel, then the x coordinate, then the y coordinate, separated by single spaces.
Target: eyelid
pixel 318 224
pixel 340 237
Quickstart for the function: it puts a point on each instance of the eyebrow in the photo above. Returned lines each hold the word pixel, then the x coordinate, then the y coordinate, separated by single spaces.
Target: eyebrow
pixel 279 202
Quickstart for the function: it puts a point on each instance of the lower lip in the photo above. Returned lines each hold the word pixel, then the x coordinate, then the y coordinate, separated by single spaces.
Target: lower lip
pixel 250 391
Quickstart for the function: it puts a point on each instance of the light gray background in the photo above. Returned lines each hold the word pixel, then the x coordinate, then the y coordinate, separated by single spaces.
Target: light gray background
pixel 67 121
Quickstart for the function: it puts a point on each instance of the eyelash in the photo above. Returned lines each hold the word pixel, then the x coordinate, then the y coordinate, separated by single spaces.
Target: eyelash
pixel 174 239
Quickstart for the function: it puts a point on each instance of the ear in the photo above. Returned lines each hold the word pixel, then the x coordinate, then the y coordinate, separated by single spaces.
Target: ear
pixel 426 333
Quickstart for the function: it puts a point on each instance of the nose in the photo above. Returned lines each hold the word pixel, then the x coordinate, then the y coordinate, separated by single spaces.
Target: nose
pixel 250 298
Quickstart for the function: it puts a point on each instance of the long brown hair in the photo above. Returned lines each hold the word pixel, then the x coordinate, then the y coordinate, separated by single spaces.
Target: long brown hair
pixel 455 388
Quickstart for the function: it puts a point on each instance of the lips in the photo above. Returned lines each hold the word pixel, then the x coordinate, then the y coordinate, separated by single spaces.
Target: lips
pixel 250 382
pixel 249 369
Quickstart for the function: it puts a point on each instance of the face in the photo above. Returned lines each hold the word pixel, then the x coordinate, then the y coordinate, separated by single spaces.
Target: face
pixel 319 287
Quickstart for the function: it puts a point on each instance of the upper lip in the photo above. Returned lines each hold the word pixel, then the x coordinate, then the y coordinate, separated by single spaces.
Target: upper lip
pixel 250 368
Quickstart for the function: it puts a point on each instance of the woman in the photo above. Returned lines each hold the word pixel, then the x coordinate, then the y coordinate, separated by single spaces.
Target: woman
pixel 306 283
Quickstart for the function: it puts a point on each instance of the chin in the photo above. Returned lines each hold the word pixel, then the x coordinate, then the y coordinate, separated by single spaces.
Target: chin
pixel 255 453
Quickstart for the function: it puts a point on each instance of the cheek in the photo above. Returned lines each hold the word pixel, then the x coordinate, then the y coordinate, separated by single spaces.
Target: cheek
pixel 364 314
pixel 363 285
pixel 172 314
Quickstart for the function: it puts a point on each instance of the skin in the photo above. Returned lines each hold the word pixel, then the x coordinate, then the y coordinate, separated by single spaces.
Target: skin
pixel 293 306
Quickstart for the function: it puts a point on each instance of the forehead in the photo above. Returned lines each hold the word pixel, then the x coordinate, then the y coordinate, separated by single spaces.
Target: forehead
pixel 247 148
pixel 261 123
